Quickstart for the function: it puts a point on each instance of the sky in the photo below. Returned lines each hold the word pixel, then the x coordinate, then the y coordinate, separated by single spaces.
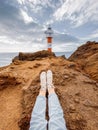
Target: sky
pixel 23 23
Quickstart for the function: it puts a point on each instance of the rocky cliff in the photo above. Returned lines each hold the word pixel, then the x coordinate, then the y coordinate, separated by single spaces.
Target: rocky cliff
pixel 87 57
pixel 77 91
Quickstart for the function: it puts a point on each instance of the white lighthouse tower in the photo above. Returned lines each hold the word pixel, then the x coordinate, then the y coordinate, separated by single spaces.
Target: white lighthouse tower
pixel 49 37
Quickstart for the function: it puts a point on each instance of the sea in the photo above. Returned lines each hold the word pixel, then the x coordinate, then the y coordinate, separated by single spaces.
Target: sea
pixel 6 57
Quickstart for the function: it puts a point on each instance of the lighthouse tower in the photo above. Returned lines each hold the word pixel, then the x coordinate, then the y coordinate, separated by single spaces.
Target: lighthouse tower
pixel 49 37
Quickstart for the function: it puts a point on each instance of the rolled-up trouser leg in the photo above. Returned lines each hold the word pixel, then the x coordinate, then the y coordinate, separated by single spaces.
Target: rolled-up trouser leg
pixel 56 119
pixel 38 121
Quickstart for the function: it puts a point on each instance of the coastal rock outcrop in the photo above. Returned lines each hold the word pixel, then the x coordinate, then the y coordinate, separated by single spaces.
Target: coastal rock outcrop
pixel 33 56
pixel 87 57
pixel 77 92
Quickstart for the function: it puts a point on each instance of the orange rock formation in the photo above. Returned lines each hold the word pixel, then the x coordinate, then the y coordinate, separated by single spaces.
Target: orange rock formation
pixel 77 92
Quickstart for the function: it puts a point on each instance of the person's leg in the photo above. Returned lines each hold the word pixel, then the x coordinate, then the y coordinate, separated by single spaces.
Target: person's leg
pixel 56 117
pixel 56 121
pixel 38 121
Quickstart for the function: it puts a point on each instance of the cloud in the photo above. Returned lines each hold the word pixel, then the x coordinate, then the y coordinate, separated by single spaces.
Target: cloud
pixel 64 38
pixel 21 1
pixel 78 11
pixel 65 47
pixel 64 42
pixel 26 17
pixel 94 34
pixel 23 22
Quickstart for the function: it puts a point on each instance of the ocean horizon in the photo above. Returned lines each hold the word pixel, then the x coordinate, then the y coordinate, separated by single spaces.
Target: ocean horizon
pixel 6 57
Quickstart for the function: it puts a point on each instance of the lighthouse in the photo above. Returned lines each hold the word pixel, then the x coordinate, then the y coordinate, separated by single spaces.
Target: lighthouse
pixel 49 37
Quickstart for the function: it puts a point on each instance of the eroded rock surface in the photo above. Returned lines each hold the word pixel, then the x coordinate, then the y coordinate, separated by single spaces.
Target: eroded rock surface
pixel 87 57
pixel 33 56
pixel 20 84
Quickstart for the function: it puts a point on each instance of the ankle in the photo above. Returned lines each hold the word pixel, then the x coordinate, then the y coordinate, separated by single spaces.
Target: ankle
pixel 42 93
pixel 51 90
